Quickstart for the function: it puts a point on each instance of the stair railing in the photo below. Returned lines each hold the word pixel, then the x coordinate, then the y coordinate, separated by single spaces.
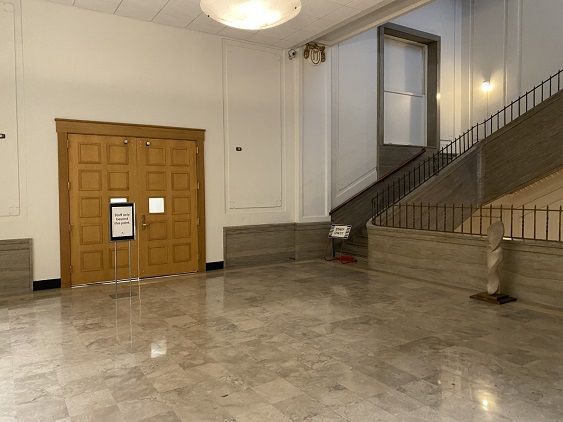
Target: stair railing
pixel 432 165
pixel 521 222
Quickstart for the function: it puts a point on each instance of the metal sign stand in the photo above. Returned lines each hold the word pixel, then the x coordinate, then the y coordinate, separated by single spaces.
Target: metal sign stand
pixel 339 232
pixel 122 228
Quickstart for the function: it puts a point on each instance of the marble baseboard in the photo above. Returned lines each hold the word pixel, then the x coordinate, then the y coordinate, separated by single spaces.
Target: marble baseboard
pixel 16 268
pixel 530 269
pixel 246 246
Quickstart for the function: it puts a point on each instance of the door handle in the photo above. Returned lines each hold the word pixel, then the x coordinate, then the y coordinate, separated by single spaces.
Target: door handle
pixel 144 223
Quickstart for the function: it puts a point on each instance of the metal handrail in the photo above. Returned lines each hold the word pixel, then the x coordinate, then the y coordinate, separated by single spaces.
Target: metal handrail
pixel 431 166
pixel 520 222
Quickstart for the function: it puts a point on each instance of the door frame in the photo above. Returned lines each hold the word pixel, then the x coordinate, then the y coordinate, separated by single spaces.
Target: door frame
pixel 85 127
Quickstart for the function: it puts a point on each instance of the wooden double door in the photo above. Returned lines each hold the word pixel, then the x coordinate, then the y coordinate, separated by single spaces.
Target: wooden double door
pixel 160 177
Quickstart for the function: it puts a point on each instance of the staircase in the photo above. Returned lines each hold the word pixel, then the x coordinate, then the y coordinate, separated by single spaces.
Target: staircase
pixel 512 148
pixel 357 210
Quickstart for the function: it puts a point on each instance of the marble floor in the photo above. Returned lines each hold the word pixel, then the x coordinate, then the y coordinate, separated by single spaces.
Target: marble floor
pixel 309 341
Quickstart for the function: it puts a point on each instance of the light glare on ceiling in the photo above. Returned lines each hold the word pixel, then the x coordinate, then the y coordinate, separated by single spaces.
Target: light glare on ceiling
pixel 251 14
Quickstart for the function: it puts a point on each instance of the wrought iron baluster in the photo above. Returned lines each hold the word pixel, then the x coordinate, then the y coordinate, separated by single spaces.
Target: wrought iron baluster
pixel 445 213
pixel 471 218
pixel 511 221
pixel 535 222
pixel 421 216
pixel 523 222
pixel 481 220
pixel 560 209
pixel 547 223
pixel 400 216
pixel 462 219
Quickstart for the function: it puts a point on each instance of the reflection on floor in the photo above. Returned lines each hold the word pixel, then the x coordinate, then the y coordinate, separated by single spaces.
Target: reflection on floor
pixel 312 341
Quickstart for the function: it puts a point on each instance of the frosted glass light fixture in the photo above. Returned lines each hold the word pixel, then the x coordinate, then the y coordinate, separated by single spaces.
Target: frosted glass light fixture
pixel 251 14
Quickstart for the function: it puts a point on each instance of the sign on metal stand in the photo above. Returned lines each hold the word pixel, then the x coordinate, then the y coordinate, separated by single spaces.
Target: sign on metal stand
pixel 339 231
pixel 121 229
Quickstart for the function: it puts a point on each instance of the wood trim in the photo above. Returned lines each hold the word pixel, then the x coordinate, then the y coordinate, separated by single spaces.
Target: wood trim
pixel 84 127
pixel 201 206
pixel 64 209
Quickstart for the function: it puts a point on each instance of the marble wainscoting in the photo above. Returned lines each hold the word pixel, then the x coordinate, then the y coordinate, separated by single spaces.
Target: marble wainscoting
pixel 263 244
pixel 530 271
pixel 16 268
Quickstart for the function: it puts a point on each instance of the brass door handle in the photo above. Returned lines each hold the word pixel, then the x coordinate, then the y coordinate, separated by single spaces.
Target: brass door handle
pixel 144 223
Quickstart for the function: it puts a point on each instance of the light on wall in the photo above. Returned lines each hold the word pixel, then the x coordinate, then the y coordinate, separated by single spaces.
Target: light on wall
pixel 486 86
pixel 251 14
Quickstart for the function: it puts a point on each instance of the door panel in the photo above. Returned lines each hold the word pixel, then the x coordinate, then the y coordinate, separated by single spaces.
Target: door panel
pixel 100 168
pixel 167 207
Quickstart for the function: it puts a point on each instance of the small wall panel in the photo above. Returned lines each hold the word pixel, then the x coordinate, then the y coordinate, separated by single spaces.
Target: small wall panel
pixel 354 127
pixel 92 260
pixel 90 207
pixel 181 205
pixel 118 154
pixel 180 157
pixel 182 229
pixel 9 160
pixel 253 84
pixel 89 153
pixel 158 255
pixel 90 180
pixel 156 156
pixel 180 181
pixel 118 180
pixel 156 181
pixel 182 252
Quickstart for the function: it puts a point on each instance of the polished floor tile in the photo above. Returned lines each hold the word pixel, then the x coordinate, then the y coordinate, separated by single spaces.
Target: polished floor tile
pixel 308 341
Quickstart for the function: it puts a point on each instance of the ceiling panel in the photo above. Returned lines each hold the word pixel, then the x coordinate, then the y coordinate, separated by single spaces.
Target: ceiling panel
pixel 325 20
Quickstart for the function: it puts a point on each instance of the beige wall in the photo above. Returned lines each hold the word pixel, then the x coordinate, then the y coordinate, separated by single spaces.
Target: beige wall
pixel 79 64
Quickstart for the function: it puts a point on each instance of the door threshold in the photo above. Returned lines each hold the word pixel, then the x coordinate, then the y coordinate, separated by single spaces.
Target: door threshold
pixel 126 280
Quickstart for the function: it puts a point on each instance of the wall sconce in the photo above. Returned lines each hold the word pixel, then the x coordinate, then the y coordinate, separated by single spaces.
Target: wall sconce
pixel 486 86
pixel 316 52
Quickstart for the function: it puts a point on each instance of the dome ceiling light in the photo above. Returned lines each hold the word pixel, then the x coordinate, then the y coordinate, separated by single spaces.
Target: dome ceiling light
pixel 251 14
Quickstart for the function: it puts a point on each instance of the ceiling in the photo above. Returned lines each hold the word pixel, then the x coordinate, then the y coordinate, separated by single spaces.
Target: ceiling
pixel 332 19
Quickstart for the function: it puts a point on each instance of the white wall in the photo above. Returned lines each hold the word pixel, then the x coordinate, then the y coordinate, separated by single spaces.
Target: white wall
pixel 313 201
pixel 354 112
pixel 442 18
pixel 513 43
pixel 80 64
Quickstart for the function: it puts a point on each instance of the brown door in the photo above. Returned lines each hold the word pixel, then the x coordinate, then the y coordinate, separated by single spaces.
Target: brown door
pixel 167 207
pixel 160 178
pixel 100 168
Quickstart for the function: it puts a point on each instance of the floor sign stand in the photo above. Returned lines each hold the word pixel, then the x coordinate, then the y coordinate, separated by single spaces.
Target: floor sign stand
pixel 121 229
pixel 339 232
